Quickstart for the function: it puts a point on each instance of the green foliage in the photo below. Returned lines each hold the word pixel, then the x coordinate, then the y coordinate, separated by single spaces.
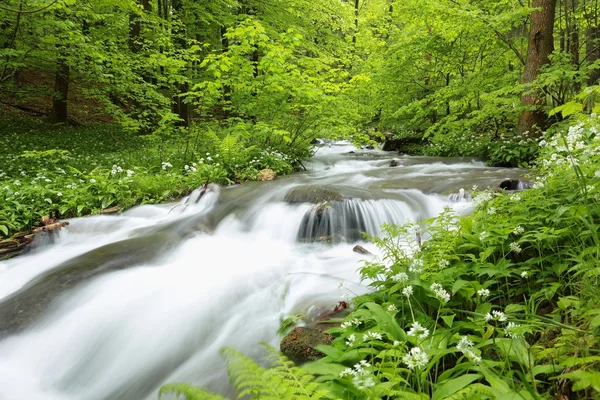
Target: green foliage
pixel 281 380
pixel 73 172
pixel 188 392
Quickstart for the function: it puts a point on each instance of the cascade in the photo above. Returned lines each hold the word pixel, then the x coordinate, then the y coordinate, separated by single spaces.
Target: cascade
pixel 116 306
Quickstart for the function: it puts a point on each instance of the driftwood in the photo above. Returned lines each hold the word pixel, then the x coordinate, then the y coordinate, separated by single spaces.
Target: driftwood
pixel 17 243
pixel 111 210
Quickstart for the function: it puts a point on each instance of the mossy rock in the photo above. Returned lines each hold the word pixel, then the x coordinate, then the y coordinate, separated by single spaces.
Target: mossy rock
pixel 299 345
pixel 312 195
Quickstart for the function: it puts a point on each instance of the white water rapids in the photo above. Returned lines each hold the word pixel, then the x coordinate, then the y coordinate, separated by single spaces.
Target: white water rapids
pixel 180 295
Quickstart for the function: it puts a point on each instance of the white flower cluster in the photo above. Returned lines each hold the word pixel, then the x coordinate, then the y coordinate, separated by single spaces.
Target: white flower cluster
pixel 418 331
pixel 495 316
pixel 351 340
pixel 483 293
pixel 191 168
pixel 415 358
pixel 166 165
pixel 514 246
pixel 400 277
pixel 465 346
pixel 362 378
pixel 512 330
pixel 482 197
pixel 440 293
pixel 407 291
pixel 518 230
pixel 416 267
pixel 392 308
pixel 348 324
pixel 116 170
pixel 372 335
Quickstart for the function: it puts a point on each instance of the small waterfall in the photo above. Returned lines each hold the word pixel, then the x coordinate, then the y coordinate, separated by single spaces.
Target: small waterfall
pixel 460 197
pixel 344 221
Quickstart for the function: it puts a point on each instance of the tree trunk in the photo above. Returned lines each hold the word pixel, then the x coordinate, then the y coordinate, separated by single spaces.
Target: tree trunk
pixel 135 27
pixel 541 45
pixel 182 109
pixel 61 93
pixel 356 9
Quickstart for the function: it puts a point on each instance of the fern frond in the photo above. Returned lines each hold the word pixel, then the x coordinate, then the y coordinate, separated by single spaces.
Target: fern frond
pixel 189 392
pixel 282 380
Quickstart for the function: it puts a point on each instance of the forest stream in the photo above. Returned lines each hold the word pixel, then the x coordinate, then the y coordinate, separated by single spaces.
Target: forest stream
pixel 112 307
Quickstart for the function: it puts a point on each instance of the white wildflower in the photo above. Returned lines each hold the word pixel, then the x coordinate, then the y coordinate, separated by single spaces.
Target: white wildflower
pixel 415 358
pixel 514 246
pixel 465 346
pixel 524 274
pixel 392 308
pixel 491 210
pixel 418 331
pixel 416 267
pixel 495 316
pixel 130 172
pixel 512 330
pixel 92 180
pixel 407 291
pixel 372 335
pixel 351 340
pixel 518 230
pixel 483 292
pixel 400 277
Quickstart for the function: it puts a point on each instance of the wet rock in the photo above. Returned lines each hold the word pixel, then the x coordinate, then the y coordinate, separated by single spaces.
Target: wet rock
pixel 312 195
pixel 361 250
pixel 299 345
pixel 28 304
pixel 503 164
pixel 265 175
pixel 510 184
pixel 394 163
pixel 401 145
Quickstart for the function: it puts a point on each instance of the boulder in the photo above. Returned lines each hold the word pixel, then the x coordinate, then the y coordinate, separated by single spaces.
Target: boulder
pixel 394 163
pixel 402 145
pixel 503 164
pixel 265 175
pixel 361 250
pixel 513 184
pixel 299 345
pixel 312 195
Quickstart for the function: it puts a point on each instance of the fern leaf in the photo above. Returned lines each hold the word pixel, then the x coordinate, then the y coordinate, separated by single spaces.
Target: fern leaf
pixel 188 392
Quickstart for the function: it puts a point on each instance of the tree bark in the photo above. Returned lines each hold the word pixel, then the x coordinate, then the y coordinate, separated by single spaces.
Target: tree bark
pixel 541 45
pixel 61 93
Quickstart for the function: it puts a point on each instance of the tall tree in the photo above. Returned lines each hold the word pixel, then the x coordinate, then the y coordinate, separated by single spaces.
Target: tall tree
pixel 540 46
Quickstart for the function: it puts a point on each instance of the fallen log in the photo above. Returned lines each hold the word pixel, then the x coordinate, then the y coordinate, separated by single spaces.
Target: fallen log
pixel 18 243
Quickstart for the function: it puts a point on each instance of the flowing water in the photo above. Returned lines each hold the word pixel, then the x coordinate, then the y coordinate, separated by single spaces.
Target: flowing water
pixel 114 306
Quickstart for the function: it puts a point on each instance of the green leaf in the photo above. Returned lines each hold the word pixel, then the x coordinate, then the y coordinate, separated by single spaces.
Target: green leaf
pixel 449 320
pixel 386 322
pixel 452 386
pixel 4 229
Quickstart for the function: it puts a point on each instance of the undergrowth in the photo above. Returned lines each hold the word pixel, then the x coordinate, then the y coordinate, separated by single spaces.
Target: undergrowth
pixel 62 172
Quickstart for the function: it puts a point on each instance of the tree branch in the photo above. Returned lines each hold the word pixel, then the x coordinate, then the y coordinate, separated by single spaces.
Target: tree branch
pixel 29 11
